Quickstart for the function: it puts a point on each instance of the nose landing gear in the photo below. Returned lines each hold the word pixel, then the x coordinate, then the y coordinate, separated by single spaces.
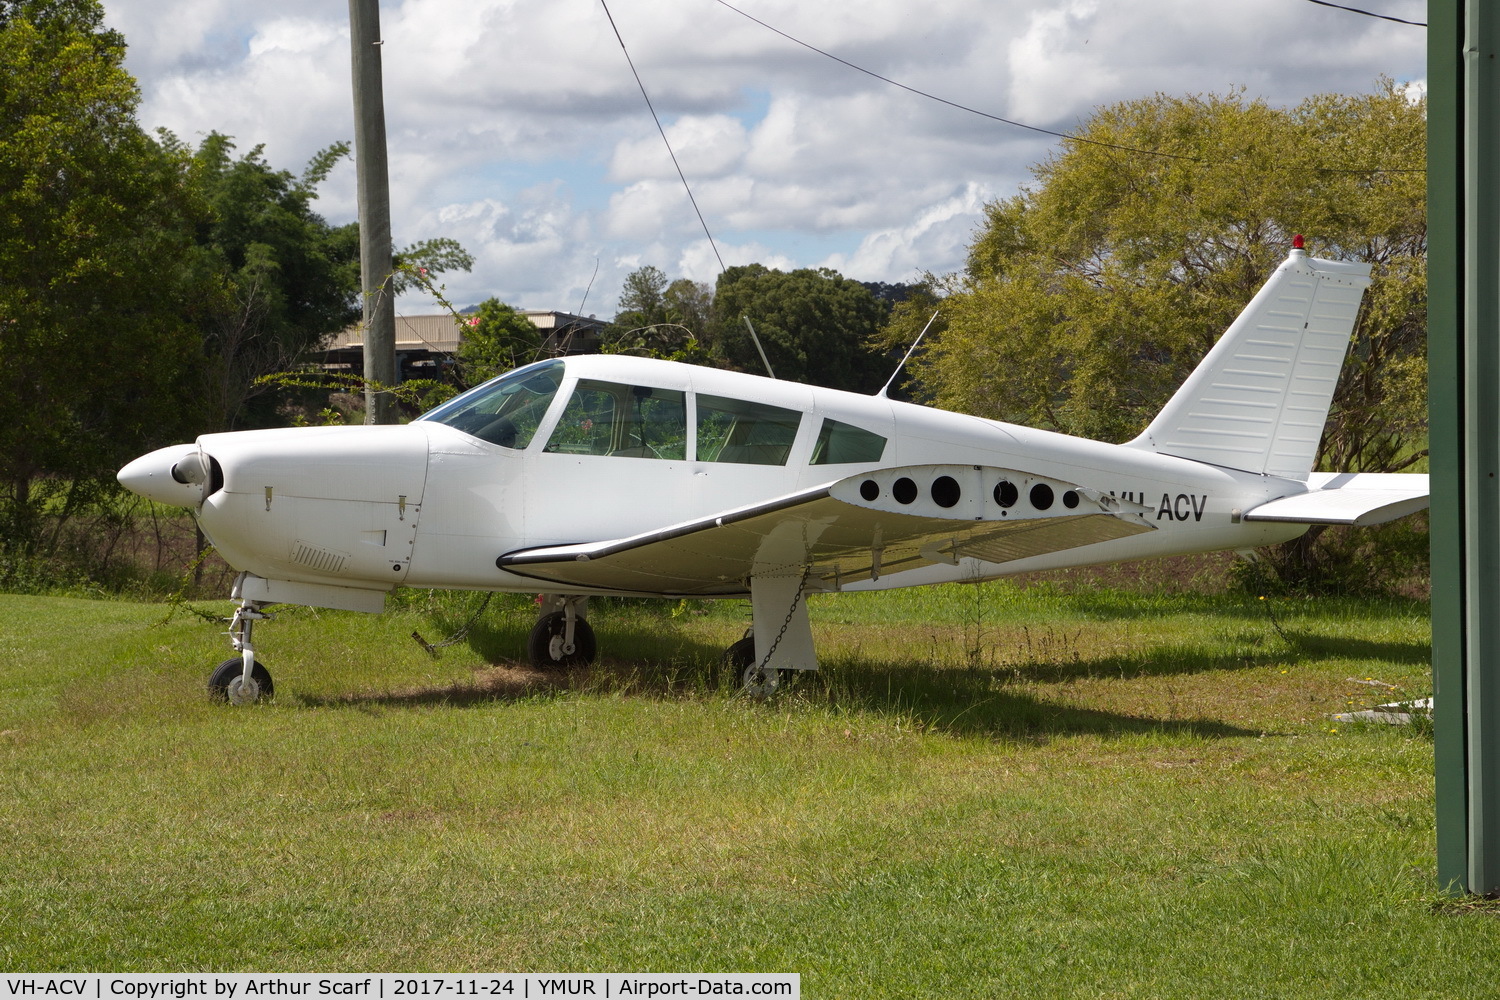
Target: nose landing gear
pixel 241 680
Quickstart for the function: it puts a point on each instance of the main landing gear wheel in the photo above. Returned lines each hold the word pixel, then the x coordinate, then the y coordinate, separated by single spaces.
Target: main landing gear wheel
pixel 548 646
pixel 755 680
pixel 227 683
pixel 760 682
pixel 740 654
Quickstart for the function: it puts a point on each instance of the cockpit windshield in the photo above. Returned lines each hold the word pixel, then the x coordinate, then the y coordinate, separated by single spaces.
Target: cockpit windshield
pixel 505 410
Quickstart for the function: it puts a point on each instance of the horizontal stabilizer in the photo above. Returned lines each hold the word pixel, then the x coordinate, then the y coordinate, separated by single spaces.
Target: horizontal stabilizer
pixel 1358 498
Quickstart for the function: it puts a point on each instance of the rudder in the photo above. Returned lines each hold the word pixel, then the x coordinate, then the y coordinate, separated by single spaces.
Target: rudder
pixel 1258 400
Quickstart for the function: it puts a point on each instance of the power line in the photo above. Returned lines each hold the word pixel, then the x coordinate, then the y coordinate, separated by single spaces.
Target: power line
pixel 1369 13
pixel 657 118
pixel 1036 128
pixel 954 104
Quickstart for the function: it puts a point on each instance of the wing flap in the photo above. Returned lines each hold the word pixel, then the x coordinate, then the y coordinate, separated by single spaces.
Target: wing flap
pixel 860 528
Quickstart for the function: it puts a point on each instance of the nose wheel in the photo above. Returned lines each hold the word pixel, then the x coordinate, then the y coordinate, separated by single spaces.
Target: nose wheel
pixel 228 684
pixel 242 680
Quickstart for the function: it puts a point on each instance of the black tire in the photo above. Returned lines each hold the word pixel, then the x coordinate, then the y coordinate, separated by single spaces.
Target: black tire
pixel 740 658
pixel 555 625
pixel 740 654
pixel 232 669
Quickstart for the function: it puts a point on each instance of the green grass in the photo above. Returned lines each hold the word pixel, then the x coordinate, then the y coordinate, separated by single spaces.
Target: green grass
pixel 986 792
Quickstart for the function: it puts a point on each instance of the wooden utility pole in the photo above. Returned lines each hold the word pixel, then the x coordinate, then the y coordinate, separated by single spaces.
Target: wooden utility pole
pixel 374 212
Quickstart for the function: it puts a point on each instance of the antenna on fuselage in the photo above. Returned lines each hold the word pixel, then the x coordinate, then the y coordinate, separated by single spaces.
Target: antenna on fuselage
pixel 754 339
pixel 885 389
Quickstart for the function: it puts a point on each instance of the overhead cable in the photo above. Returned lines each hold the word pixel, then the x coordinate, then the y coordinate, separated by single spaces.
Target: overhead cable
pixel 953 104
pixel 1067 137
pixel 1369 13
pixel 657 118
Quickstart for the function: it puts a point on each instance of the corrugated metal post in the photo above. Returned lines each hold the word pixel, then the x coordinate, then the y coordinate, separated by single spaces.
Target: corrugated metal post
pixel 1464 375
pixel 374 211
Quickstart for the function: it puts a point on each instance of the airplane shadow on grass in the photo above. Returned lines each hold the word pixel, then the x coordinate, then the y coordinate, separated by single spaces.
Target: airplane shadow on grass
pixel 1411 653
pixel 660 663
pixel 1122 605
pixel 1254 651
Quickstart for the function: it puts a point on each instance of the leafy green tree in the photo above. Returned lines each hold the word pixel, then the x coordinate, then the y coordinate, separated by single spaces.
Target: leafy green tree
pixel 917 311
pixel 286 279
pixel 658 318
pixel 815 326
pixel 643 298
pixel 100 278
pixel 85 16
pixel 690 305
pixel 1088 298
pixel 418 265
pixel 496 339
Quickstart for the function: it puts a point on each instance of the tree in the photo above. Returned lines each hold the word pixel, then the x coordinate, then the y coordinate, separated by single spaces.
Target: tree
pixel 895 294
pixel 286 279
pixel 145 284
pixel 1089 298
pixel 658 318
pixel 690 305
pixel 917 313
pixel 96 223
pixel 496 339
pixel 643 297
pixel 84 16
pixel 815 326
pixel 419 264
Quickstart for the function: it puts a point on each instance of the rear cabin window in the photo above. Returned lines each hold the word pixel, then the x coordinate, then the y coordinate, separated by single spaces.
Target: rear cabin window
pixel 841 444
pixel 627 421
pixel 739 431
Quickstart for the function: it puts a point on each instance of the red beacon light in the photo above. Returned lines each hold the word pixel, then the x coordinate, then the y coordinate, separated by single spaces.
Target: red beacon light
pixel 1298 243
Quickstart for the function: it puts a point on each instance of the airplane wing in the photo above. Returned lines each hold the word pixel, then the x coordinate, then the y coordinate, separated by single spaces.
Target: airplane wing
pixel 863 527
pixel 1358 498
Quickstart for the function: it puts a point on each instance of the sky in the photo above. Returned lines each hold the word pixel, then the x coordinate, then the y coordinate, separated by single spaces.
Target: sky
pixel 517 128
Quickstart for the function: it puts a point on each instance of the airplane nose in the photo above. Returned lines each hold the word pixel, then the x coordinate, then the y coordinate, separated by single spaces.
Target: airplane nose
pixel 174 475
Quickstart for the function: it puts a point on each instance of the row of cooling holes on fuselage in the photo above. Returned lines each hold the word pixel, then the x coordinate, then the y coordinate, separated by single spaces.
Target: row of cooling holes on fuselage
pixel 946 492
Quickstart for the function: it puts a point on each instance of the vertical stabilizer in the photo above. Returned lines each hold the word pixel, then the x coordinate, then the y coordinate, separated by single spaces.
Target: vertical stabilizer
pixel 1259 399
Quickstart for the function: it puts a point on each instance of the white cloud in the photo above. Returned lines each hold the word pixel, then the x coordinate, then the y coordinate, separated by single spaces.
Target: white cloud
pixel 941 231
pixel 289 90
pixel 538 242
pixel 518 129
pixel 704 146
pixel 646 209
pixel 1052 73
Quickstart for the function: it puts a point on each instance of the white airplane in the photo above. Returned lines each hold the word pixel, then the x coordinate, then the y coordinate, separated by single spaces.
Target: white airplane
pixel 617 475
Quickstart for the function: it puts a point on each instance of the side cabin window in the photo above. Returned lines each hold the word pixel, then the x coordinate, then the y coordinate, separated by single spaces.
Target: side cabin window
pixel 737 430
pixel 506 410
pixel 630 421
pixel 842 444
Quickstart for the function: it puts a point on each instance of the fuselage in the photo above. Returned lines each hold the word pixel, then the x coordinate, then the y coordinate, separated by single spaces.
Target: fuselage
pixel 600 447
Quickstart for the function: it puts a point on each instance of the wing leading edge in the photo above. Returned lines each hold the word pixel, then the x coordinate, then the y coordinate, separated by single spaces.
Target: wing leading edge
pixel 864 527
